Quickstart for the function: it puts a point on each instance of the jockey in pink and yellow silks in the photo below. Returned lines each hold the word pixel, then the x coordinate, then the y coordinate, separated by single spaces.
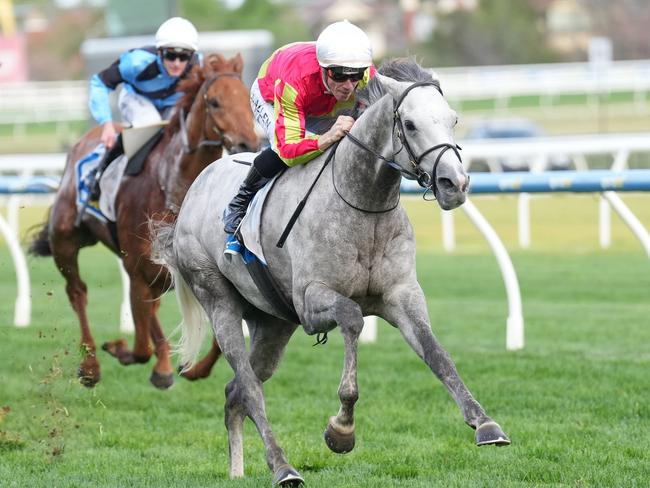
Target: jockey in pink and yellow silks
pixel 293 81
pixel 302 99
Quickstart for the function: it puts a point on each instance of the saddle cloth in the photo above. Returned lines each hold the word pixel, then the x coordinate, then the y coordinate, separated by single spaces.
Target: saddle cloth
pixel 82 169
pixel 138 143
pixel 103 210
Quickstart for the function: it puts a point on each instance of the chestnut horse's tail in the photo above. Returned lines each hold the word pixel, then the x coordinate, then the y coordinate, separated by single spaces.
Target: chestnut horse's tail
pixel 162 242
pixel 40 244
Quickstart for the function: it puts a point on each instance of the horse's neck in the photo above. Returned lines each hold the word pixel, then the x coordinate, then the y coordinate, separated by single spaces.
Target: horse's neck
pixel 184 156
pixel 364 180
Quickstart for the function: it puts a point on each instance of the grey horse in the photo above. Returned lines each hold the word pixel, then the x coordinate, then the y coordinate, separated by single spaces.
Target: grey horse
pixel 350 254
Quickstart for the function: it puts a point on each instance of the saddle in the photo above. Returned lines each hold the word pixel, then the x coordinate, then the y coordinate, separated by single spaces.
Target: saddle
pixel 138 143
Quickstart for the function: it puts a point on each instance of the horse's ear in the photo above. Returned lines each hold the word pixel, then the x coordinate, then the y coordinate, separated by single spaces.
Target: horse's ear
pixel 238 63
pixel 389 85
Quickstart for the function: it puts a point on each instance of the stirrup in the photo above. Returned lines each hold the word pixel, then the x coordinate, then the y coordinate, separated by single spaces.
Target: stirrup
pixel 233 246
pixel 94 191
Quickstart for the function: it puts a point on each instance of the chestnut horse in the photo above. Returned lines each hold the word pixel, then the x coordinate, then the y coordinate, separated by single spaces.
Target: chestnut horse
pixel 218 115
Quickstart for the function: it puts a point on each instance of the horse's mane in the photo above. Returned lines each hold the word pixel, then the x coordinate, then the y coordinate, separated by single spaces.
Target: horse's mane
pixel 191 84
pixel 400 69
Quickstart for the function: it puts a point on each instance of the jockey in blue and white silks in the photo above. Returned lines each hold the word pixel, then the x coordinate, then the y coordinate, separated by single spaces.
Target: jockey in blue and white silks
pixel 149 77
pixel 142 73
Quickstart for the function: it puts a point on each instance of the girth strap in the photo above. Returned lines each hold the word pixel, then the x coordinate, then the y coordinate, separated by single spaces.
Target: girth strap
pixel 269 288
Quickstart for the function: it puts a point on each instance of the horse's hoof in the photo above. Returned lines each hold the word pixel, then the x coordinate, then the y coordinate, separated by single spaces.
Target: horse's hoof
pixel 285 475
pixel 490 433
pixel 89 381
pixel 338 441
pixel 115 348
pixel 161 381
pixel 189 375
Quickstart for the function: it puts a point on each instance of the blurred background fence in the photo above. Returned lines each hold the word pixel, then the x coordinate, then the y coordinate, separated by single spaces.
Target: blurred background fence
pixel 66 101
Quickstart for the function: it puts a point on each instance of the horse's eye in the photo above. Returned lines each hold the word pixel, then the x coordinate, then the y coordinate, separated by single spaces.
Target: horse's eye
pixel 409 125
pixel 213 103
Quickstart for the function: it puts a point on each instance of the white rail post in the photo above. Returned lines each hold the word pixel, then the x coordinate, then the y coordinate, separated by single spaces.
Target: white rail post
pixel 605 216
pixel 448 232
pixel 23 310
pixel 629 218
pixel 369 332
pixel 126 317
pixel 604 223
pixel 515 321
pixel 523 216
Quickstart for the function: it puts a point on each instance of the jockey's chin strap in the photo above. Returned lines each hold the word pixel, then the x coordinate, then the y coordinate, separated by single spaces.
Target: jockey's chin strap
pixel 425 180
pixel 187 149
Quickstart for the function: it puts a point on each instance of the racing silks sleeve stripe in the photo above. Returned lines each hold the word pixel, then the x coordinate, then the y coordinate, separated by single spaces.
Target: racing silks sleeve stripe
pixel 292 145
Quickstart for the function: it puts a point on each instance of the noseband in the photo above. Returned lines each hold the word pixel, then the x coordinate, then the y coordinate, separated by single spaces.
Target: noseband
pixel 425 180
pixel 205 142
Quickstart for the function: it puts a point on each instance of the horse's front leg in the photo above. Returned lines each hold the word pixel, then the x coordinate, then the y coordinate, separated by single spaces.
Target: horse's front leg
pixel 162 375
pixel 406 308
pixel 324 309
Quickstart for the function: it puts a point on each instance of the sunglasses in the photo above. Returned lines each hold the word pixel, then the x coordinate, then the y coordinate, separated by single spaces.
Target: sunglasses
pixel 172 55
pixel 340 74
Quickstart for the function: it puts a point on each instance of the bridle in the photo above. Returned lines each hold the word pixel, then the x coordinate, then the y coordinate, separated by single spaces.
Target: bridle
pixel 424 179
pixel 183 125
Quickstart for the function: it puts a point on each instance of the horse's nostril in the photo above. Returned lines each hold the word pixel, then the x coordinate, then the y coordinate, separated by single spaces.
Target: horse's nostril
pixel 464 183
pixel 445 184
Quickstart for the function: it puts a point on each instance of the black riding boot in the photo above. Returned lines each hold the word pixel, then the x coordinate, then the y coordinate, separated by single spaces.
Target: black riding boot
pixel 237 207
pixel 267 164
pixel 109 156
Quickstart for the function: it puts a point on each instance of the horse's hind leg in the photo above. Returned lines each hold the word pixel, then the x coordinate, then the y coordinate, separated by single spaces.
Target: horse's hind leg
pixel 324 309
pixel 408 311
pixel 269 337
pixel 65 251
pixel 203 368
pixel 245 396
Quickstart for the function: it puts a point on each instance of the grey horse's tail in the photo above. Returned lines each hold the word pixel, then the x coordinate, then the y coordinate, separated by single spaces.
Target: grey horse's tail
pixel 194 325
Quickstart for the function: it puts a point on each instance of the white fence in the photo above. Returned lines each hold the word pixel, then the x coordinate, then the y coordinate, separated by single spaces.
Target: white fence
pixel 53 101
pixel 65 101
pixel 546 80
pixel 538 152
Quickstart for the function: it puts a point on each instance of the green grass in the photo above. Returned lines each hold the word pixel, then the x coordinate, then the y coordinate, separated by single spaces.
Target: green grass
pixel 41 137
pixel 574 401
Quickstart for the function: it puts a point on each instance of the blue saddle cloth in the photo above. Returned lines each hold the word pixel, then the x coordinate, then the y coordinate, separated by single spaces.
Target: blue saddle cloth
pixel 83 169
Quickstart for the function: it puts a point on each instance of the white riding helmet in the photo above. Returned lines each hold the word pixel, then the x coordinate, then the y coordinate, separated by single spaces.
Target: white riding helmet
pixel 343 44
pixel 177 33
